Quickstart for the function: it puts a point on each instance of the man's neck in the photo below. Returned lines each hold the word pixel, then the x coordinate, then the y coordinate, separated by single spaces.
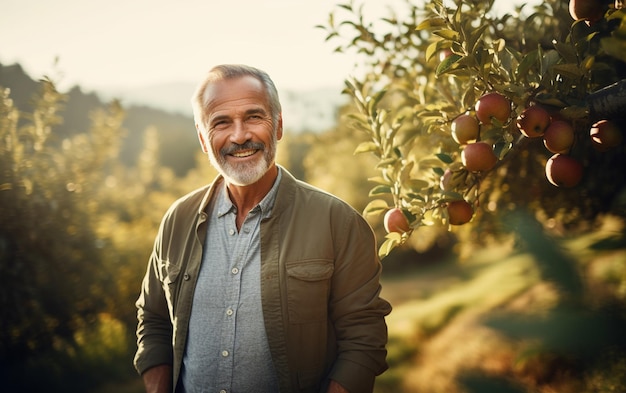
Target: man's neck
pixel 245 198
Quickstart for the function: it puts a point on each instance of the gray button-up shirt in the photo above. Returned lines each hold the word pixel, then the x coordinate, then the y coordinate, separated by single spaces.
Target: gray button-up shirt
pixel 227 348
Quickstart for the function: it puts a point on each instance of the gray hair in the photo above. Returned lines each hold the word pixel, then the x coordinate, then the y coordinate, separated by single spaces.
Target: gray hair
pixel 232 71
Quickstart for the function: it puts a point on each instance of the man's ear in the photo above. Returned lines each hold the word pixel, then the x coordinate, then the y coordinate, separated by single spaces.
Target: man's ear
pixel 201 138
pixel 279 129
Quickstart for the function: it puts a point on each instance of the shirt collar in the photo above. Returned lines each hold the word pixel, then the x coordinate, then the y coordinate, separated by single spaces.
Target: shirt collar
pixel 225 205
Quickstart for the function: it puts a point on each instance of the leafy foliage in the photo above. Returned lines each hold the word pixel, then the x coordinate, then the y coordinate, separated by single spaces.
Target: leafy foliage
pixel 432 64
pixel 43 235
pixel 76 231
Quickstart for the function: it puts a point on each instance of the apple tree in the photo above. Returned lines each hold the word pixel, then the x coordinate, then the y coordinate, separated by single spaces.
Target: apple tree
pixel 472 113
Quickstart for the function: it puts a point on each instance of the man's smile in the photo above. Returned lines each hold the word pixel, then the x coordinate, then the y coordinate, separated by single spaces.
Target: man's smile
pixel 244 153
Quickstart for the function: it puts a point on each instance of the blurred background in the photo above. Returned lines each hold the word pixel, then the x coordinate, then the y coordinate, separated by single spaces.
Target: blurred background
pixel 97 140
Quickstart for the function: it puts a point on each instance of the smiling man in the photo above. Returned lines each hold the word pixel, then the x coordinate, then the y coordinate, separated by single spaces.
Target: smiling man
pixel 258 282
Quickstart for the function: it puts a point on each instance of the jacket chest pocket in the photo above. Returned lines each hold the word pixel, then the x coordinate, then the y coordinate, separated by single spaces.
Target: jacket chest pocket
pixel 170 274
pixel 308 288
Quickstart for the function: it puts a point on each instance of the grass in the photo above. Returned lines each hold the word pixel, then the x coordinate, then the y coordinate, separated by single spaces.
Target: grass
pixel 438 331
pixel 430 299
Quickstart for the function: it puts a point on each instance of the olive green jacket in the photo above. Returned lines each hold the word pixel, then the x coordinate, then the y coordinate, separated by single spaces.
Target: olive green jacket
pixel 319 288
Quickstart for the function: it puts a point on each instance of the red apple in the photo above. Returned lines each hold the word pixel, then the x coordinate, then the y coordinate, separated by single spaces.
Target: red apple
pixel 605 135
pixel 396 221
pixel 533 121
pixel 493 105
pixel 563 170
pixel 465 128
pixel 459 212
pixel 559 137
pixel 588 10
pixel 478 156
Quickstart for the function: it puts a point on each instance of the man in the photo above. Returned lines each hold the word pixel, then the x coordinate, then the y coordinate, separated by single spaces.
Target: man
pixel 258 282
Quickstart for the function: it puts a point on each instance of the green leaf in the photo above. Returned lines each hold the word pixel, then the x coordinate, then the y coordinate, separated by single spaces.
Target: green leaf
pixel 375 99
pixel 549 59
pixel 474 38
pixel 375 207
pixel 500 149
pixel 405 171
pixel 380 189
pixel 569 70
pixel 387 162
pixel 447 34
pixel 548 99
pixel 432 49
pixel 445 158
pixel 366 147
pixel 614 47
pixel 379 180
pixel 345 6
pixel 430 23
pixel 416 184
pixel 392 241
pixel 568 52
pixel 447 64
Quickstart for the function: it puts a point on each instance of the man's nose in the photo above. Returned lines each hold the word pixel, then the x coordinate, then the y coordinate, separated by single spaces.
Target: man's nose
pixel 240 133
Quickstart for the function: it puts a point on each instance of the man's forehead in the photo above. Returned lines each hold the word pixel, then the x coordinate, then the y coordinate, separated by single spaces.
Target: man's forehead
pixel 232 87
pixel 236 95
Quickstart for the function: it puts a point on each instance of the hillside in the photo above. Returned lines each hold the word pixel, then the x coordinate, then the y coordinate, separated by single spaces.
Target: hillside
pixel 176 134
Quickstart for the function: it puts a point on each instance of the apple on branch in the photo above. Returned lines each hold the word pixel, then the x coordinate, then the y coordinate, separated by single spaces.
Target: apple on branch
pixel 396 221
pixel 478 156
pixel 493 106
pixel 559 137
pixel 563 170
pixel 533 121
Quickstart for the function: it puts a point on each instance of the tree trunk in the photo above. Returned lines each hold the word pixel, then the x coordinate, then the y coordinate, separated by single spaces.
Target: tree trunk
pixel 608 102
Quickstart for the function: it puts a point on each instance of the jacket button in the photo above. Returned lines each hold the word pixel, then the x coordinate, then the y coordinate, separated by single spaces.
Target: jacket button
pixel 186 277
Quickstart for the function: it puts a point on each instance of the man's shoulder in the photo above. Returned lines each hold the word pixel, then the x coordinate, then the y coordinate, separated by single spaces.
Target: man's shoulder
pixel 316 195
pixel 190 202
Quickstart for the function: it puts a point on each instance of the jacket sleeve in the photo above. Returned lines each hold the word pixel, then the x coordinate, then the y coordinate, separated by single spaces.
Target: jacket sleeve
pixel 154 327
pixel 356 309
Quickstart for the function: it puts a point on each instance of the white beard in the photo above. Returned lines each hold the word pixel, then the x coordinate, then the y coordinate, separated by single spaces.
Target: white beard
pixel 247 173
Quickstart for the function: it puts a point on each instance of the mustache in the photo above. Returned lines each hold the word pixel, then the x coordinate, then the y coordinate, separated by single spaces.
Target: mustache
pixel 248 145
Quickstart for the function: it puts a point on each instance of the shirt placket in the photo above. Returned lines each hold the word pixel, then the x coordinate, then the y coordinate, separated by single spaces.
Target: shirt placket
pixel 239 243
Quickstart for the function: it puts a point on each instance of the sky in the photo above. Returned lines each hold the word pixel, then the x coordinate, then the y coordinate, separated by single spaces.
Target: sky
pixel 125 44
pixel 133 43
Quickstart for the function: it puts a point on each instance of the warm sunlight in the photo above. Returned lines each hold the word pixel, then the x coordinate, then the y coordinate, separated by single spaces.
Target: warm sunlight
pixel 141 42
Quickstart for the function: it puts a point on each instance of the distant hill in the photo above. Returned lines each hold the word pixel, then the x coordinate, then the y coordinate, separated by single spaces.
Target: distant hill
pixel 178 140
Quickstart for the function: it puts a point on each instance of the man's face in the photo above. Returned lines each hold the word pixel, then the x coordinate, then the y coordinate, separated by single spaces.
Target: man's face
pixel 240 138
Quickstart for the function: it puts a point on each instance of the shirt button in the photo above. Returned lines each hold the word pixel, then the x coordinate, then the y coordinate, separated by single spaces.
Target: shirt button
pixel 186 277
pixel 224 353
pixel 231 232
pixel 229 312
pixel 235 270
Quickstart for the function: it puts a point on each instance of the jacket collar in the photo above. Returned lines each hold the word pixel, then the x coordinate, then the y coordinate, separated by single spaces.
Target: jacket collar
pixel 284 195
